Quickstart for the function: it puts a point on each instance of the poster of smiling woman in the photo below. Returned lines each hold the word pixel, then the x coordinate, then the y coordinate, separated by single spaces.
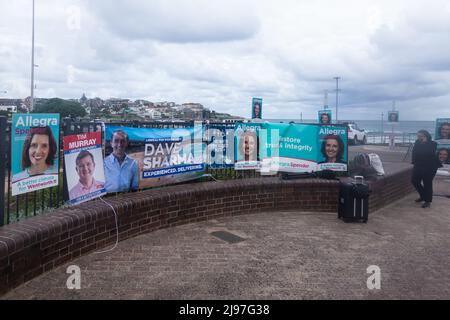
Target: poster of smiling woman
pixel 257 108
pixel 34 152
pixel 303 147
pixel 393 116
pixel 443 154
pixel 325 117
pixel 333 146
pixel 219 145
pixel 83 158
pixel 443 131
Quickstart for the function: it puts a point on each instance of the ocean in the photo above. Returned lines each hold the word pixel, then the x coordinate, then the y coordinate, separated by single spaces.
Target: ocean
pixel 400 127
pixel 373 126
pixel 405 131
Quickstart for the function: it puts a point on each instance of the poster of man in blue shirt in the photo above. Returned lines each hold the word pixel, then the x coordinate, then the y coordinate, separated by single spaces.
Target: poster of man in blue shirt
pixel 121 171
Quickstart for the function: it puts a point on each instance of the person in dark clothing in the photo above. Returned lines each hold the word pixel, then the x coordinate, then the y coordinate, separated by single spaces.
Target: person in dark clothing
pixel 425 164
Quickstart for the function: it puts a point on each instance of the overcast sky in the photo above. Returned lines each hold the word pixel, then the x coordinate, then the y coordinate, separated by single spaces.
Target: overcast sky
pixel 221 53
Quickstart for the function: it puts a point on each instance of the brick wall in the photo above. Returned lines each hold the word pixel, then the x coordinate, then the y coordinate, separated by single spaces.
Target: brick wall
pixel 390 189
pixel 34 246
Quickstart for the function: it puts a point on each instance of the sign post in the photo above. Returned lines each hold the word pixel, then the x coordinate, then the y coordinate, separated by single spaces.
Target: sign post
pixel 257 108
pixel 34 152
pixel 2 168
pixel 393 117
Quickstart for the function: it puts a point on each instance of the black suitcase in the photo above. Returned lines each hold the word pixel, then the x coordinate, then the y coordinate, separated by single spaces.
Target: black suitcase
pixel 354 201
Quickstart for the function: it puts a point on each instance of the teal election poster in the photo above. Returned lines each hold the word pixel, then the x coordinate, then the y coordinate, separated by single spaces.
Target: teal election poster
pixel 333 148
pixel 302 147
pixel 442 135
pixel 393 116
pixel 257 108
pixel 219 145
pixel 443 153
pixel 34 152
pixel 246 143
pixel 443 130
pixel 289 147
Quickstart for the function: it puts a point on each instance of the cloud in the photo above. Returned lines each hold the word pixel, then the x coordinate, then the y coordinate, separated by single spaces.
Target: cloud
pixel 178 21
pixel 222 54
pixel 407 60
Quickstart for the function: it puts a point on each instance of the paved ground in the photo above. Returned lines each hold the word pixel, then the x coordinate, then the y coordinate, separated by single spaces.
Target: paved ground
pixel 387 155
pixel 285 255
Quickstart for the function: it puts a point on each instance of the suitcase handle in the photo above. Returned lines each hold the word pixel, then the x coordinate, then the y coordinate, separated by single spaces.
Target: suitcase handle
pixel 359 179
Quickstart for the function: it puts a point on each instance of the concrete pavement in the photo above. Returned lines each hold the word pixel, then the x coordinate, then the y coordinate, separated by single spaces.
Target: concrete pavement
pixel 285 255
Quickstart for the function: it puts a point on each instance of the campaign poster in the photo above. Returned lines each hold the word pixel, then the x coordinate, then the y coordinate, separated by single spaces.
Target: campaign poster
pixel 34 152
pixel 325 117
pixel 257 108
pixel 442 134
pixel 443 154
pixel 303 147
pixel 83 159
pixel 441 184
pixel 289 147
pixel 246 139
pixel 393 117
pixel 333 148
pixel 141 158
pixel 219 145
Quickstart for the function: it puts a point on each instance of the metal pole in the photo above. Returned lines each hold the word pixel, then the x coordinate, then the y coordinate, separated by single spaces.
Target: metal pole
pixel 382 127
pixel 392 138
pixel 392 124
pixel 67 124
pixel 2 168
pixel 32 64
pixel 337 93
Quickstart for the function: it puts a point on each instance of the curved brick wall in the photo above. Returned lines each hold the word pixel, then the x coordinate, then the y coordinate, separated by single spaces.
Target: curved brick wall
pixel 34 246
pixel 390 188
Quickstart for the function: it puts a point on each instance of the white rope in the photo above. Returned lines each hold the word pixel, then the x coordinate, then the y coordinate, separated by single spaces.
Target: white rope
pixel 207 175
pixel 117 229
pixel 116 218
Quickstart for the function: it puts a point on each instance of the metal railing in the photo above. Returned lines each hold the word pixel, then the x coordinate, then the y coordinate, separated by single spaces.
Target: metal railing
pixel 16 208
pixel 383 138
pixel 3 166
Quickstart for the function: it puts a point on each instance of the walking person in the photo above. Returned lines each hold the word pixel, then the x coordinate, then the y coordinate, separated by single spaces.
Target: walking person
pixel 425 164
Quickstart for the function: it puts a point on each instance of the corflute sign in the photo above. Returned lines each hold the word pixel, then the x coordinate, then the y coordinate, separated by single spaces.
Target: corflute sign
pixel 34 152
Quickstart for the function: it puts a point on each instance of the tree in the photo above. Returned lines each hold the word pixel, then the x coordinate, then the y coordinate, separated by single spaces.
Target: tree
pixel 63 107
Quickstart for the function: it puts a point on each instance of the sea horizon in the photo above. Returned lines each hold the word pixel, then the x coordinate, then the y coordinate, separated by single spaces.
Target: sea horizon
pixel 406 126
